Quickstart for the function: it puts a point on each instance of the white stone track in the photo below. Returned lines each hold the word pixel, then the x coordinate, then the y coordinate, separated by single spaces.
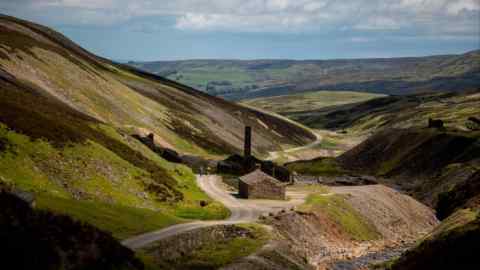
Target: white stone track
pixel 242 211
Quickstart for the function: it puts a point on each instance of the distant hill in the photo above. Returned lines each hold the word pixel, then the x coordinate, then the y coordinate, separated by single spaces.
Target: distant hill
pixel 247 79
pixel 393 112
pixel 308 101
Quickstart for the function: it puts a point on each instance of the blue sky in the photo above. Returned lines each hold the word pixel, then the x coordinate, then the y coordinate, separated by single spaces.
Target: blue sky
pixel 252 29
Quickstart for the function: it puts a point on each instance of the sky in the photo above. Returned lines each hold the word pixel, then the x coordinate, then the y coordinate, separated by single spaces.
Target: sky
pixel 148 30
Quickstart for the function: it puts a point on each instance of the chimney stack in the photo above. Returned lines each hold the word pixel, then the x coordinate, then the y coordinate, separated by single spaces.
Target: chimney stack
pixel 248 142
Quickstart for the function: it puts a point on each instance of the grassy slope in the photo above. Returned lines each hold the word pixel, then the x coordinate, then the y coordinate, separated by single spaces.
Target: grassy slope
pixel 65 117
pixel 37 239
pixel 339 211
pixel 322 166
pixel 212 255
pixel 308 101
pixel 186 119
pixel 452 245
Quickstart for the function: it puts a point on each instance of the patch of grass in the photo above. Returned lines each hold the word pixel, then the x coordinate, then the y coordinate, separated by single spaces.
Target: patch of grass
pixel 338 209
pixel 85 168
pixel 328 143
pixel 454 221
pixel 309 101
pixel 214 254
pixel 121 221
pixel 318 167
pixel 190 207
pixel 220 254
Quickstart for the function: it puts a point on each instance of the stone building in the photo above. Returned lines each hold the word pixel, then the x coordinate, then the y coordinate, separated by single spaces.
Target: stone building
pixel 259 185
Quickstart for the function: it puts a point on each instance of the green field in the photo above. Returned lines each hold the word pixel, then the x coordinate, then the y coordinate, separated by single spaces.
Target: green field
pixel 249 79
pixel 310 101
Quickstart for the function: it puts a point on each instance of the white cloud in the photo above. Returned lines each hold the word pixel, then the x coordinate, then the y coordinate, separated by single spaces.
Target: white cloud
pixel 360 39
pixel 270 15
pixel 379 23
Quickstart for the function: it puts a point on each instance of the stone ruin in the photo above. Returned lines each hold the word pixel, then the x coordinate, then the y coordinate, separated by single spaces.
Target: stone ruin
pixel 433 123
pixel 167 154
pixel 241 165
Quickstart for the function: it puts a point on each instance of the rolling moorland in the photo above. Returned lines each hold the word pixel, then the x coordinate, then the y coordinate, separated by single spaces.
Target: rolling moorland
pixel 66 117
pixel 287 105
pixel 400 196
pixel 240 80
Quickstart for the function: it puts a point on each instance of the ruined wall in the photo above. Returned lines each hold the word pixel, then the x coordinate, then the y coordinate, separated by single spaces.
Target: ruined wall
pixel 266 190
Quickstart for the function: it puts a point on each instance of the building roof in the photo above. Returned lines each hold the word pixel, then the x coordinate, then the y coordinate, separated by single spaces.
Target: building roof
pixel 258 176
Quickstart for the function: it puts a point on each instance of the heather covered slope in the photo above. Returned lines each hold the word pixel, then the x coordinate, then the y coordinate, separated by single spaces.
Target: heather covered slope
pixel 394 112
pixel 181 117
pixel 425 163
pixel 70 159
pixel 66 120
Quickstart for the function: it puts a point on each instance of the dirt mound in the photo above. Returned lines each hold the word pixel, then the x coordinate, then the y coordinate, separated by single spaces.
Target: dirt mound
pixel 422 162
pixel 398 217
pixel 322 237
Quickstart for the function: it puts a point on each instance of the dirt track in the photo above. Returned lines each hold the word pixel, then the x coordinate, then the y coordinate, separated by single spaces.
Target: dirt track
pixel 275 155
pixel 242 211
pixel 395 215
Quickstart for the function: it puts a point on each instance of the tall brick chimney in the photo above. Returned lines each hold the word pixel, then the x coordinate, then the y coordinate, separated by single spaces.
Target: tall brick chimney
pixel 248 142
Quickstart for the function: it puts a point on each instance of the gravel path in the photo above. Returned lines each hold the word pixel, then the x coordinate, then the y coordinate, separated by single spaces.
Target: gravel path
pixel 276 154
pixel 242 211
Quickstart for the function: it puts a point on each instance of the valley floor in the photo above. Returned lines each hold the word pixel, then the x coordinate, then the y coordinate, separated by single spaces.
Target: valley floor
pixel 391 221
pixel 327 144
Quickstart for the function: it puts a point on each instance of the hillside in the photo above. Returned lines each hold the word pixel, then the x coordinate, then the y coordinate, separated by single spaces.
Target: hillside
pixel 66 120
pixel 35 239
pixel 183 118
pixel 238 80
pixel 394 112
pixel 310 101
pixel 438 168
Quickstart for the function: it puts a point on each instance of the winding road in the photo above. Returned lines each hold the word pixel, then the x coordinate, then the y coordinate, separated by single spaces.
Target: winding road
pixel 242 211
pixel 274 155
